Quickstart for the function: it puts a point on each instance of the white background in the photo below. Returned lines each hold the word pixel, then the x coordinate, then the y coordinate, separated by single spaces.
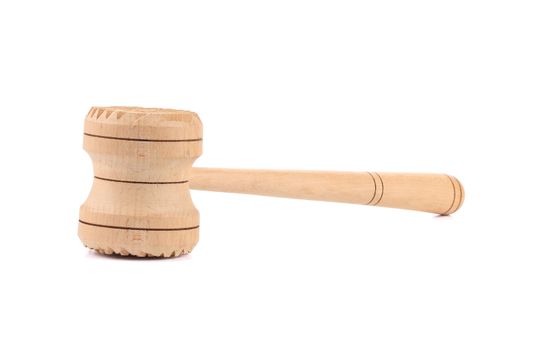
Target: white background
pixel 431 86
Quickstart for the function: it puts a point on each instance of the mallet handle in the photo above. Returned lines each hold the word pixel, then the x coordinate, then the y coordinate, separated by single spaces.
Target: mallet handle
pixel 434 193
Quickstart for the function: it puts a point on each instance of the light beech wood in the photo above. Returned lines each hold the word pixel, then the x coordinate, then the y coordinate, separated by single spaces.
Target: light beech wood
pixel 140 203
pixel 434 193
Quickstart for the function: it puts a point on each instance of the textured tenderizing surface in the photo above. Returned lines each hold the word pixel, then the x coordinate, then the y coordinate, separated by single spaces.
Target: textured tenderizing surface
pixel 139 203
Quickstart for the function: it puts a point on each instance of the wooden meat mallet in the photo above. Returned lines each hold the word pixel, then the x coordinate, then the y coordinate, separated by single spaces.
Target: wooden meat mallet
pixel 140 203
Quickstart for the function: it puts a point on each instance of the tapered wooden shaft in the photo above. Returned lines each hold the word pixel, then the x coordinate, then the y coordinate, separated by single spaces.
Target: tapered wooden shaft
pixel 434 193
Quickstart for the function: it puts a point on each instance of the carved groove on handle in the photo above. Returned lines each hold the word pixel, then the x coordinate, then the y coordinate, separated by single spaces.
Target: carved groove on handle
pixel 458 195
pixel 379 189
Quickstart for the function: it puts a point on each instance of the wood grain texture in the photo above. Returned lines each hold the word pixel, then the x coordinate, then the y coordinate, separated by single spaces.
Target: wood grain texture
pixel 140 202
pixel 434 193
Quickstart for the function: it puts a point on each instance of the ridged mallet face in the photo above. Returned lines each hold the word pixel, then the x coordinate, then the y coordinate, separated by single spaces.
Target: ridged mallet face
pixel 140 203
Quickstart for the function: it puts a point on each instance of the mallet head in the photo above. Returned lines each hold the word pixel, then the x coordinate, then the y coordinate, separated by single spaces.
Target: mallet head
pixel 140 203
